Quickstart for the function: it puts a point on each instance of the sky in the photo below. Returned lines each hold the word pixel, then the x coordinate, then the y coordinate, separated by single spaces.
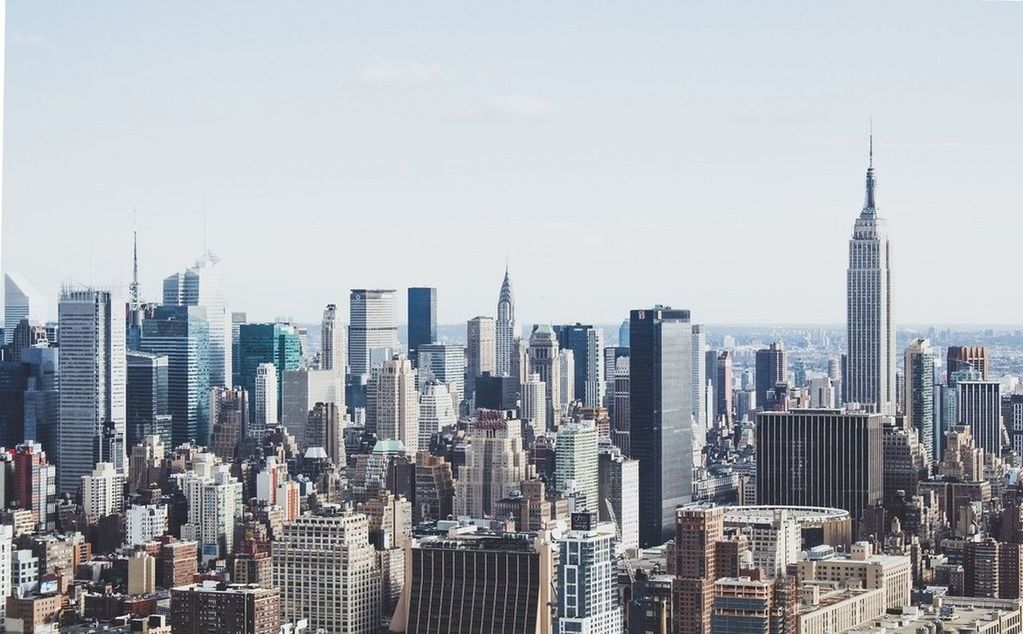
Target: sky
pixel 707 155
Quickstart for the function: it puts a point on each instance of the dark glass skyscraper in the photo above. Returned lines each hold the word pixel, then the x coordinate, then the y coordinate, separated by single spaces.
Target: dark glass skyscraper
pixel 576 337
pixel 267 343
pixel 660 417
pixel 771 369
pixel 147 411
pixel 422 320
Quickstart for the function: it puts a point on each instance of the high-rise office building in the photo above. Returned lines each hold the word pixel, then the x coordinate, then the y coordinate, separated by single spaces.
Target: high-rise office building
pixel 699 528
pixel 624 336
pixel 302 390
pixel 332 342
pixel 586 344
pixel 543 360
pixel 869 377
pixel 979 407
pixel 397 404
pixel 372 332
pixel 660 417
pixel 450 586
pixel 267 343
pixel 495 464
pixel 507 330
pixel 436 411
pixel 92 383
pixel 264 399
pixel 229 421
pixel 21 301
pixel 481 351
pixel 619 493
pixel 826 458
pixel 742 604
pixel 237 319
pixel 202 285
pixel 325 428
pixel 723 387
pixel 588 579
pixel 182 333
pixel 147 405
pixel 1012 418
pixel 566 372
pixel 771 369
pixel 443 363
pixel 919 394
pixel 575 458
pixel 326 570
pixel 967 358
pixel 699 379
pixel 422 320
pixel 534 404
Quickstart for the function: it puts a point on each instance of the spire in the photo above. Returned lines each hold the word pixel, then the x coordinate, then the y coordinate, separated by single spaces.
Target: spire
pixel 868 204
pixel 135 289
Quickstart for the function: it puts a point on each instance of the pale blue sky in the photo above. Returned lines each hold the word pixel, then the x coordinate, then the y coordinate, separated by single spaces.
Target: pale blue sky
pixel 709 155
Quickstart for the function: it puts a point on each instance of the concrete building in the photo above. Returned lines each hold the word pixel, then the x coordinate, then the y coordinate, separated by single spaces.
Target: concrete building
pixel 587 579
pixel 144 523
pixel 327 572
pixel 102 492
pixel 332 342
pixel 618 494
pixel 397 404
pixel 264 399
pixel 495 464
pixel 443 363
pixel 534 404
pixel 436 411
pixel 543 360
pixel 979 407
pixel 302 390
pixel 861 568
pixel 699 528
pixel 214 499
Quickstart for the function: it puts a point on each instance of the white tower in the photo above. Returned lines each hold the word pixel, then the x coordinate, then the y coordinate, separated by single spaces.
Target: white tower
pixel 202 285
pixel 397 403
pixel 265 399
pixel 870 379
pixel 332 342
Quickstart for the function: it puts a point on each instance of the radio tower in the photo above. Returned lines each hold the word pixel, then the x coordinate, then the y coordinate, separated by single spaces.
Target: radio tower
pixel 135 289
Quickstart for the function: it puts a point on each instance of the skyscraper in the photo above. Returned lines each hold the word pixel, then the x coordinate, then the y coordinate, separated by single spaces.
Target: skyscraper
pixel 422 320
pixel 699 528
pixel 397 404
pixel 575 458
pixel 979 407
pixel 771 369
pixel 302 389
pixel 202 285
pixel 534 403
pixel 443 363
pixel 870 367
pixel 481 339
pixel 967 358
pixel 820 458
pixel 332 342
pixel 147 411
pixel 543 360
pixel 92 383
pixel 436 411
pixel 661 417
pixel 588 579
pixel 723 386
pixel 507 331
pixel 495 465
pixel 21 301
pixel 182 333
pixel 264 399
pixel 699 379
pixel 586 344
pixel 372 333
pixel 619 493
pixel 919 394
pixel 267 343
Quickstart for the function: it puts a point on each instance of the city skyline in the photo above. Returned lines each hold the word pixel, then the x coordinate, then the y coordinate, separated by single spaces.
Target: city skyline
pixel 171 141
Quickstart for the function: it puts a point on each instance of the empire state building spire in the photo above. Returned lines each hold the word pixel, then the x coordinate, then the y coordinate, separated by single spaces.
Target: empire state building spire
pixel 870 371
pixel 868 203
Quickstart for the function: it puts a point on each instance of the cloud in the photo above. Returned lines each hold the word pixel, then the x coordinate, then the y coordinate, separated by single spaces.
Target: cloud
pixel 510 108
pixel 385 72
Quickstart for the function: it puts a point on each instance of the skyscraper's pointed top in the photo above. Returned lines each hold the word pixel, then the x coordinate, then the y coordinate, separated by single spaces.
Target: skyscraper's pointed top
pixel 869 206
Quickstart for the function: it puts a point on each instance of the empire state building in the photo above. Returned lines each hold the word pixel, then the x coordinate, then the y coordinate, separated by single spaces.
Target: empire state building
pixel 870 369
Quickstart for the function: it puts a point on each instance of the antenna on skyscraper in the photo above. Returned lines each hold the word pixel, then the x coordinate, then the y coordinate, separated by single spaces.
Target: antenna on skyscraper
pixel 134 289
pixel 205 246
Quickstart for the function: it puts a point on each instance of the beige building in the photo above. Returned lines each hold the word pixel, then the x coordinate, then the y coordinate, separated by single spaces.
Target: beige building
pixel 327 572
pixel 828 609
pixel 861 569
pixel 494 466
pixel 397 403
pixel 141 573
